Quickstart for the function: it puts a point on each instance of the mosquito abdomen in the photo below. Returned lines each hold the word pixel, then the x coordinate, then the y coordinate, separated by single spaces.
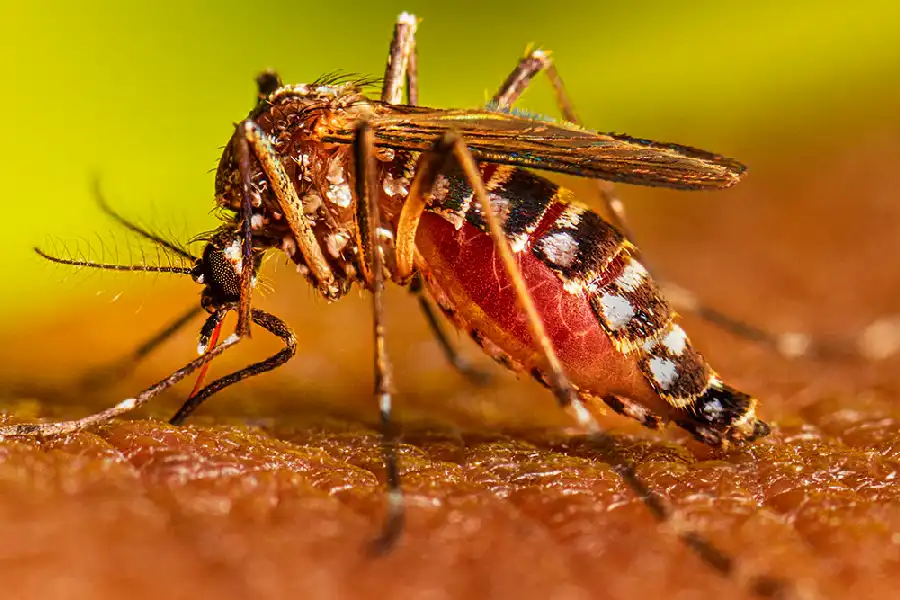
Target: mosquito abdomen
pixel 614 332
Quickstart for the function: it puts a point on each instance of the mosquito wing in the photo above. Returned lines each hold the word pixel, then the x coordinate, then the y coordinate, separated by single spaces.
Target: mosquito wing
pixel 512 139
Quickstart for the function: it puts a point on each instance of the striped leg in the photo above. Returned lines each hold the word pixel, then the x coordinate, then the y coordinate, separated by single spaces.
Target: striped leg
pixel 788 344
pixel 267 321
pixel 368 218
pixel 125 406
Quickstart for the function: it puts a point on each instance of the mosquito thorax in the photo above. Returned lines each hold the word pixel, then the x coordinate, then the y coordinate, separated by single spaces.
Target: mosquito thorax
pixel 293 117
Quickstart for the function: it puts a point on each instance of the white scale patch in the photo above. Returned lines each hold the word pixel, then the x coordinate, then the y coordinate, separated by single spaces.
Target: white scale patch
pixel 289 246
pixel 439 190
pixel 518 243
pixel 560 249
pixel 338 190
pixel 127 404
pixel 232 254
pixel 393 187
pixel 713 409
pixel 499 206
pixel 617 310
pixel 327 90
pixel 664 371
pixel 632 276
pixel 336 242
pixel 340 195
pixel 675 341
pixel 335 173
pixel 570 218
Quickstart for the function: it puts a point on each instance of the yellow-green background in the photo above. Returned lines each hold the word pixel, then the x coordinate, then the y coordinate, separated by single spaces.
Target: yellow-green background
pixel 144 94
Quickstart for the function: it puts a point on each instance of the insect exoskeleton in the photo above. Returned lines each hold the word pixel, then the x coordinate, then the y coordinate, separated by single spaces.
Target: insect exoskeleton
pixel 613 331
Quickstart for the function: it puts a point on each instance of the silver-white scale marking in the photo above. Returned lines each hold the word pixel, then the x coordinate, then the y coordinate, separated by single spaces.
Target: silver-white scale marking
pixel 617 310
pixel 570 218
pixel 560 248
pixel 232 254
pixel 664 371
pixel 713 409
pixel 340 195
pixel 632 276
pixel 675 341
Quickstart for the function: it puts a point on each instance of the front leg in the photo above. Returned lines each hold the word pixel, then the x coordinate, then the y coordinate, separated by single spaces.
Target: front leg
pixel 248 138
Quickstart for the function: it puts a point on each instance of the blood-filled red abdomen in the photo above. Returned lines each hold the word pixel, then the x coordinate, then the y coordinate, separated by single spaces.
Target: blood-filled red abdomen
pixel 465 275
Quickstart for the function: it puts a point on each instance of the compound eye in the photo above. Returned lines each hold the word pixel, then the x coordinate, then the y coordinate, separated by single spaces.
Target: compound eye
pixel 221 270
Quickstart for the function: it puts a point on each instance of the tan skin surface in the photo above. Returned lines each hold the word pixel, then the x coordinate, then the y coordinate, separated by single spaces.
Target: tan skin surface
pixel 505 505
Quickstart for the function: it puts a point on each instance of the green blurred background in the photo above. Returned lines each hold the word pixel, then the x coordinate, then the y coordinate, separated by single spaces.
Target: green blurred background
pixel 145 96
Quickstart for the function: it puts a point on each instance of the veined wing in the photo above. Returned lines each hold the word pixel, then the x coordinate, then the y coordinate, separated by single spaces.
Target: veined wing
pixel 511 139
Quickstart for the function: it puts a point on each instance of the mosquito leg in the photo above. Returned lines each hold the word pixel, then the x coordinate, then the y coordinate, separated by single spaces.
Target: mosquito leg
pixel 763 586
pixel 457 360
pixel 401 64
pixel 209 337
pixel 368 220
pixel 451 146
pixel 104 416
pixel 270 323
pixel 533 63
pixel 242 152
pixel 102 376
pixel 250 138
pixel 788 344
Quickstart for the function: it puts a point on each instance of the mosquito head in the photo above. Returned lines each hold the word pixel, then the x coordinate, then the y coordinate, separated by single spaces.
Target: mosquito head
pixel 220 267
